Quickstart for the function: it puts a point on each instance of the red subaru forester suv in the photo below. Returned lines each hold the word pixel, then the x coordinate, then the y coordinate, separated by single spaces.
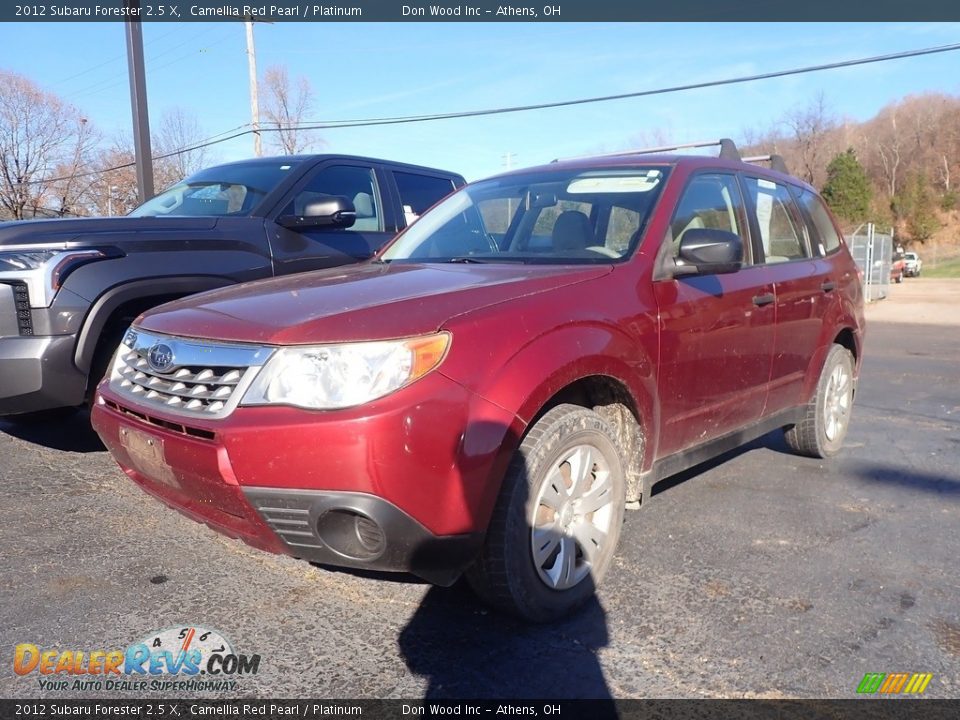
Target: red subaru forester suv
pixel 491 391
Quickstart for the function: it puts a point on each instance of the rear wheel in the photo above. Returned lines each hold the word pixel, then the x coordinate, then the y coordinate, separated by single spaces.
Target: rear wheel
pixel 557 520
pixel 827 416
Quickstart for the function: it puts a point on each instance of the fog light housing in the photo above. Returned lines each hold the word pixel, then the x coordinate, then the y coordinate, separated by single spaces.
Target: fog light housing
pixel 351 534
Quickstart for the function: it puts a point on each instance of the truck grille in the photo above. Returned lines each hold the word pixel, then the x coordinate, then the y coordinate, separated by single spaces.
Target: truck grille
pixel 197 379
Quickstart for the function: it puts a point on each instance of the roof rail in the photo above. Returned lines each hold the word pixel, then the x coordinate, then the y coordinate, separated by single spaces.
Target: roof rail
pixel 728 150
pixel 776 162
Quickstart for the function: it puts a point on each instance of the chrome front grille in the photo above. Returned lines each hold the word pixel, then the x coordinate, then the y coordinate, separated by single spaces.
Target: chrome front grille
pixel 184 376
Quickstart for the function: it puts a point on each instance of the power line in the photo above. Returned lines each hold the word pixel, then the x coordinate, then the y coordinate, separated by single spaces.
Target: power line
pixel 323 125
pixel 109 61
pixel 109 83
pixel 369 122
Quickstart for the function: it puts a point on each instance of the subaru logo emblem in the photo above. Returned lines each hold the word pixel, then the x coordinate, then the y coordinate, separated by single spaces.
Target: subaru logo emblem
pixel 160 358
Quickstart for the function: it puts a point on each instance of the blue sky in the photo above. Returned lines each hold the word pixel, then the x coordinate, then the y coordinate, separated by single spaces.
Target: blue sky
pixel 361 70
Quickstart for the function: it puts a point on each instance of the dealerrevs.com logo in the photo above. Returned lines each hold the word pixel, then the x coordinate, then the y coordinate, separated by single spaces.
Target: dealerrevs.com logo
pixel 189 658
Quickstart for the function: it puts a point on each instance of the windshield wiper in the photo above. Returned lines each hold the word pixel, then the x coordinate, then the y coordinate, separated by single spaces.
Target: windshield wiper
pixel 494 259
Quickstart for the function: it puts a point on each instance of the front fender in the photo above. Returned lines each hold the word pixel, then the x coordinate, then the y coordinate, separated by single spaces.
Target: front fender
pixel 523 382
pixel 119 295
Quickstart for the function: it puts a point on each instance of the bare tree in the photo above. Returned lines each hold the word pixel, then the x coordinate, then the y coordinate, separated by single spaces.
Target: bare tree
pixel 285 108
pixel 810 129
pixel 38 133
pixel 72 190
pixel 889 146
pixel 178 130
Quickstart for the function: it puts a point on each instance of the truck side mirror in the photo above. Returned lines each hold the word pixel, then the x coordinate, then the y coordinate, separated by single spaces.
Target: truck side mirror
pixel 333 211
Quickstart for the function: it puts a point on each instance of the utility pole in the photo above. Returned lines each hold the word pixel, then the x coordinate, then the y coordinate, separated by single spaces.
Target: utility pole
pixel 138 102
pixel 254 101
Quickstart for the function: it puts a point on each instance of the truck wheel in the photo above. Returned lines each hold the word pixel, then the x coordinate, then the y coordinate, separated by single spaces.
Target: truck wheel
pixel 557 520
pixel 106 348
pixel 827 416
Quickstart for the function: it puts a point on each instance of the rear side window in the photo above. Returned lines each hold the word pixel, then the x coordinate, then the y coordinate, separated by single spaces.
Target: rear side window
pixel 780 234
pixel 418 193
pixel 822 223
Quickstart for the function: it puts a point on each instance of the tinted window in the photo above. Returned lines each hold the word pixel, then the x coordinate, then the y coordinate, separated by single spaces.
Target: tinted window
pixel 352 182
pixel 419 193
pixel 781 237
pixel 710 201
pixel 824 226
pixel 224 190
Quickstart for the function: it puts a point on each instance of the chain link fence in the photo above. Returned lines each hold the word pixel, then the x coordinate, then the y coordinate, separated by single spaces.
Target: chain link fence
pixel 873 253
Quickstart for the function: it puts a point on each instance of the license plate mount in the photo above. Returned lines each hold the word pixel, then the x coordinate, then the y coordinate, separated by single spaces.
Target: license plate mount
pixel 147 455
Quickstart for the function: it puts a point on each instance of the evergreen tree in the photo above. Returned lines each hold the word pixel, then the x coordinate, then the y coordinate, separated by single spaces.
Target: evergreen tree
pixel 920 209
pixel 847 190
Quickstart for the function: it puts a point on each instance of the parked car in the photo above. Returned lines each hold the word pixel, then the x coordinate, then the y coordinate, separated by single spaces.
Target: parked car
pixel 912 264
pixel 70 288
pixel 489 392
pixel 898 267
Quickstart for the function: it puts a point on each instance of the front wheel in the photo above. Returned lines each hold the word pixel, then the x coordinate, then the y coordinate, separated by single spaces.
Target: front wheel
pixel 557 520
pixel 821 431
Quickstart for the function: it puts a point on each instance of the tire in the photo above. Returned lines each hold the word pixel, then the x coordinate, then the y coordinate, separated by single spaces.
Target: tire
pixel 541 504
pixel 110 339
pixel 826 417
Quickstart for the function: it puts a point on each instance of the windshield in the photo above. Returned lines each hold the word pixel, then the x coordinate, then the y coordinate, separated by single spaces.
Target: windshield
pixel 226 190
pixel 563 216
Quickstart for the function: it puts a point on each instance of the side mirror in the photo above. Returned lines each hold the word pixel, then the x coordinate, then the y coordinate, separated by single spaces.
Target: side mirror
pixel 329 211
pixel 704 251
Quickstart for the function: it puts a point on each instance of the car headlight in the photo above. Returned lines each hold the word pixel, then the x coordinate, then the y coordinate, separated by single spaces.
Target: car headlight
pixel 327 377
pixel 44 271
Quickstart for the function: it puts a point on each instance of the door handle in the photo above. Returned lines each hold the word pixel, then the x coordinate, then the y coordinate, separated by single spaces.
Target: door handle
pixel 765 299
pixel 828 286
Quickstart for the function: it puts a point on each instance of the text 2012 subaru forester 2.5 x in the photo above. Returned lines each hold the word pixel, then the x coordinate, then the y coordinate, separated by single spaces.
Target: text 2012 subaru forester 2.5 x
pixel 489 392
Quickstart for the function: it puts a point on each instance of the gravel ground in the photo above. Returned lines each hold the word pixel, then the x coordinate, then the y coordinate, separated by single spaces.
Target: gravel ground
pixel 758 575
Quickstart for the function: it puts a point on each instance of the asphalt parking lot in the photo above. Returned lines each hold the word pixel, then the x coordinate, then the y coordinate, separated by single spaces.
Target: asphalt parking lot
pixel 760 575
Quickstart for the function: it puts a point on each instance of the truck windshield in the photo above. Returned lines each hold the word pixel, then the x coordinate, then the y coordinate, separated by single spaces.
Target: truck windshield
pixel 562 216
pixel 234 189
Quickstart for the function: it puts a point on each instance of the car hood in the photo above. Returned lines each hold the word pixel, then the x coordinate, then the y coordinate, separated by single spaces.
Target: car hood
pixel 86 231
pixel 372 301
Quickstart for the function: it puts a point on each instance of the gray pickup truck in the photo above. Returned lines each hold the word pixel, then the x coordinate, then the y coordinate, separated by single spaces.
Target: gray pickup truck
pixel 69 288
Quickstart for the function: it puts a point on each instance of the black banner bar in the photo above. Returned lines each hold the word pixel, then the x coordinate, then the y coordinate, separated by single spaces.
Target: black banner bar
pixel 122 709
pixel 478 11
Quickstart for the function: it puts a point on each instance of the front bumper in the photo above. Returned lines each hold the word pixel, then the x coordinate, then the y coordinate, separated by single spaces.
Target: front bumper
pixel 406 483
pixel 38 374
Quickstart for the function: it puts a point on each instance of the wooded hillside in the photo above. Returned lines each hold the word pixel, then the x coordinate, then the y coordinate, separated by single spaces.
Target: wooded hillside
pixel 900 168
